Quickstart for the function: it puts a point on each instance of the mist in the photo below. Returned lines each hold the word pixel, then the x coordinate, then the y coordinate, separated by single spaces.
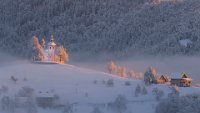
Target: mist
pixel 164 65
pixel 8 59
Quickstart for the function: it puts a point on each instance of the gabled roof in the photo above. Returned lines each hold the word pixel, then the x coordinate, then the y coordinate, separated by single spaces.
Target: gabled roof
pixel 45 94
pixel 163 77
pixel 179 76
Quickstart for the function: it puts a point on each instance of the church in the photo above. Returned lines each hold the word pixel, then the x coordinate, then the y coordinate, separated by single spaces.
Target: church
pixel 51 50
pixel 49 53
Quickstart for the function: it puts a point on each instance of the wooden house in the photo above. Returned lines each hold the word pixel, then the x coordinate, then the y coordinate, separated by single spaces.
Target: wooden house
pixel 162 80
pixel 181 80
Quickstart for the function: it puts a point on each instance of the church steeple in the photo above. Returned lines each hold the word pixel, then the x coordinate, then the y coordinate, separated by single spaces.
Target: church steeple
pixel 52 38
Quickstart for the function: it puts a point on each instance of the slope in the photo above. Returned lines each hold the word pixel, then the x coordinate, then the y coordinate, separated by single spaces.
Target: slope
pixel 77 86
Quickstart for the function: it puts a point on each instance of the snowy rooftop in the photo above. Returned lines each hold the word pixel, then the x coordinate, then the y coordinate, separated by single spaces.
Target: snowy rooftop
pixel 45 94
pixel 177 75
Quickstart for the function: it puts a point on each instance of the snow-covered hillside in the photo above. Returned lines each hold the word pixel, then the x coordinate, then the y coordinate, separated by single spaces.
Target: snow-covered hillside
pixel 83 88
pixel 123 27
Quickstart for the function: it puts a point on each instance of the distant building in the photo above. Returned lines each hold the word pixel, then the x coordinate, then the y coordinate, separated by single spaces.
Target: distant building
pixel 45 99
pixel 162 80
pixel 181 80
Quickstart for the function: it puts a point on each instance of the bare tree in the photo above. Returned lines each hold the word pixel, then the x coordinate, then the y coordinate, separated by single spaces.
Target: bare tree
pixel 112 68
pixel 14 79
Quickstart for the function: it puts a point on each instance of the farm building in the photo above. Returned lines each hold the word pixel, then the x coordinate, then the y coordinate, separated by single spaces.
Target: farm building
pixel 181 80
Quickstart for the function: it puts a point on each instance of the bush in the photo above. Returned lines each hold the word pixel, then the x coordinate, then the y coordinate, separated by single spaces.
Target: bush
pixel 14 79
pixel 110 83
pixel 127 83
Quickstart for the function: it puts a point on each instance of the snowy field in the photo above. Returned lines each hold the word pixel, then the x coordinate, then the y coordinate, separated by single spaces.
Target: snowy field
pixel 163 64
pixel 84 89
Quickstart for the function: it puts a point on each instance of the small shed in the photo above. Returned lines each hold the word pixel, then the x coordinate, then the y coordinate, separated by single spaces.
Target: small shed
pixel 181 80
pixel 45 99
pixel 162 79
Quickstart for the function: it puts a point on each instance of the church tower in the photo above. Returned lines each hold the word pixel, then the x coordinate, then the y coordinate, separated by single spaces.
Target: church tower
pixel 51 49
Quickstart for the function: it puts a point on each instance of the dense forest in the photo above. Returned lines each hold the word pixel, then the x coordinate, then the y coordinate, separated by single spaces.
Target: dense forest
pixel 122 27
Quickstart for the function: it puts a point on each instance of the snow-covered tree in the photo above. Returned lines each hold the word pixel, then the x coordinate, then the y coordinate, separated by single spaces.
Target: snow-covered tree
pixel 112 68
pixel 43 43
pixel 174 92
pixel 26 92
pixel 127 83
pixel 5 101
pixel 135 75
pixel 38 49
pixel 14 79
pixel 68 108
pixel 182 104
pixel 123 72
pixel 63 55
pixel 96 110
pixel 30 106
pixel 150 75
pixel 7 104
pixel 110 83
pixel 100 27
pixel 158 93
pixel 144 90
pixel 120 104
pixel 137 90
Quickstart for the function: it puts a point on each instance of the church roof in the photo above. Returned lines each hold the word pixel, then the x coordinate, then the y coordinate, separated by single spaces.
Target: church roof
pixel 51 44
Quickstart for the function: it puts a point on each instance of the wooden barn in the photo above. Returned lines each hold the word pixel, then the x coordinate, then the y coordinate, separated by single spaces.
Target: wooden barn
pixel 162 79
pixel 181 80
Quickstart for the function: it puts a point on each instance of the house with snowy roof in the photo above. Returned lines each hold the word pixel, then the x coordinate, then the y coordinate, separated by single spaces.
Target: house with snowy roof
pixel 181 80
pixel 45 99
